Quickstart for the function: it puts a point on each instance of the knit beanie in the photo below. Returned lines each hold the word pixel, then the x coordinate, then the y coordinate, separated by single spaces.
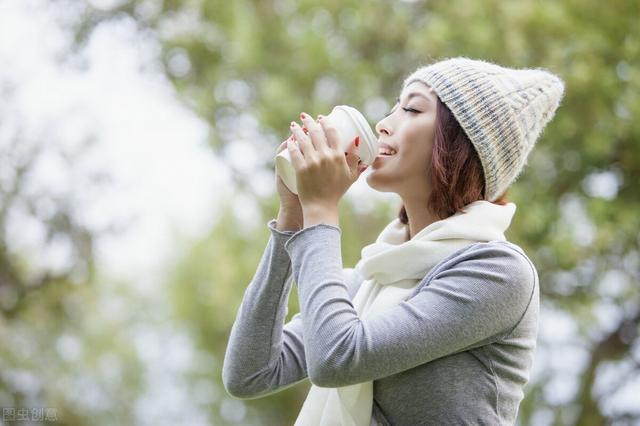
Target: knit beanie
pixel 502 111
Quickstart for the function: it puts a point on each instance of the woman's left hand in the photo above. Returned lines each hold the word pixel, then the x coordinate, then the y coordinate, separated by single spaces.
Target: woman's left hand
pixel 323 172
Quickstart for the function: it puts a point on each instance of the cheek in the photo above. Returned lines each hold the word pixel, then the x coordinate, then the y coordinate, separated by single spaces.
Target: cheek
pixel 419 160
pixel 420 142
pixel 422 129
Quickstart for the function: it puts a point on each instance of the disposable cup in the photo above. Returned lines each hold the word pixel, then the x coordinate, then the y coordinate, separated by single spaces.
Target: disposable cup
pixel 350 123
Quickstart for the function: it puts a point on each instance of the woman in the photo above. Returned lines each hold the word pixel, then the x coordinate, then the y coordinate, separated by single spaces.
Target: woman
pixel 437 323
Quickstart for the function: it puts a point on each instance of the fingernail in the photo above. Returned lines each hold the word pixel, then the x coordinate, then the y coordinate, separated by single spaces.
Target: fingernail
pixel 320 116
pixel 293 124
pixel 357 140
pixel 303 115
pixel 304 129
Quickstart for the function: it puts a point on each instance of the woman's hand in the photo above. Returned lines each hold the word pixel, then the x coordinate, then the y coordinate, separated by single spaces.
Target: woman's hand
pixel 288 200
pixel 290 214
pixel 323 172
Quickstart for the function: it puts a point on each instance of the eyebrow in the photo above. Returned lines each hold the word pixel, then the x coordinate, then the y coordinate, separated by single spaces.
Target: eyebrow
pixel 412 94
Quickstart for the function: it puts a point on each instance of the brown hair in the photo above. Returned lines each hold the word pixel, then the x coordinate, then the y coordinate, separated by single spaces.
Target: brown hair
pixel 457 178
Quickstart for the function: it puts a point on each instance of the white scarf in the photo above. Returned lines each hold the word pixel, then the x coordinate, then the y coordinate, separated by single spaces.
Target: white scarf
pixel 392 268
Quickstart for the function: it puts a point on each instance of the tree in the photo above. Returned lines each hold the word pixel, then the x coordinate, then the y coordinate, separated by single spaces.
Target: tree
pixel 249 67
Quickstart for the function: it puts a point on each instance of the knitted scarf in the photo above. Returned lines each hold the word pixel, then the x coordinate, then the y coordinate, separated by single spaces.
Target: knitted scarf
pixel 392 267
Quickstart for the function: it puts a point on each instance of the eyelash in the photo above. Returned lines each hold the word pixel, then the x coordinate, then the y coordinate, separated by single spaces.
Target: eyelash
pixel 415 111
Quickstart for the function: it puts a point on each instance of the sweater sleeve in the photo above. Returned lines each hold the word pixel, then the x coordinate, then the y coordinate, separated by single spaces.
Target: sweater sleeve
pixel 475 301
pixel 264 355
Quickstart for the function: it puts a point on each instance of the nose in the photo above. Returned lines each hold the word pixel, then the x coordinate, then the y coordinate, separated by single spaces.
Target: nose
pixel 383 127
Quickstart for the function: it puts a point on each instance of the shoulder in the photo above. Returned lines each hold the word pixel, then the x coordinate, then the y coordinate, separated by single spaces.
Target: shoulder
pixel 510 256
pixel 495 266
pixel 498 255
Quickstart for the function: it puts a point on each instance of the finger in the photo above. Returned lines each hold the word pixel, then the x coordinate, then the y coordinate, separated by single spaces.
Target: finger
pixel 353 156
pixel 353 151
pixel 297 159
pixel 331 133
pixel 315 133
pixel 283 145
pixel 304 144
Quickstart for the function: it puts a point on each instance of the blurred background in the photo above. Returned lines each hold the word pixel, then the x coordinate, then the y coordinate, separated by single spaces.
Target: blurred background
pixel 136 180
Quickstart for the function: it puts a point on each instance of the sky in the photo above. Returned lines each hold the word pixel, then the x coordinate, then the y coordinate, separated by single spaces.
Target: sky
pixel 106 132
pixel 108 112
pixel 161 174
pixel 113 92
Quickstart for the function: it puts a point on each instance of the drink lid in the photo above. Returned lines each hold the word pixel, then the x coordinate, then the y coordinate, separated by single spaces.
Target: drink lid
pixel 364 129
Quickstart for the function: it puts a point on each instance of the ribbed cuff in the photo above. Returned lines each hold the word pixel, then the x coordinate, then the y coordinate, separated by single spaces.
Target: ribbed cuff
pixel 311 232
pixel 272 225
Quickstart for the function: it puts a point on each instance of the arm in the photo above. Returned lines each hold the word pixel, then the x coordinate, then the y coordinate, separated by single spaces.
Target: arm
pixel 264 355
pixel 477 300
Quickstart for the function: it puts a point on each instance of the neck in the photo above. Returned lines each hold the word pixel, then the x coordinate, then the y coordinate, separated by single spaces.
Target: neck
pixel 419 215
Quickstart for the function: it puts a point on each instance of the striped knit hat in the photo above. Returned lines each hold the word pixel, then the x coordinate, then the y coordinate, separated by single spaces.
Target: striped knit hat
pixel 502 111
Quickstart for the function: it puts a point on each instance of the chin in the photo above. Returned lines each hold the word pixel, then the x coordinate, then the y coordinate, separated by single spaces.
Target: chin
pixel 371 181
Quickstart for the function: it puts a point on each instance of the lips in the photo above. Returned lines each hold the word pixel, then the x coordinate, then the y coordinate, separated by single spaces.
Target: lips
pixel 383 146
pixel 384 151
pixel 383 157
pixel 380 159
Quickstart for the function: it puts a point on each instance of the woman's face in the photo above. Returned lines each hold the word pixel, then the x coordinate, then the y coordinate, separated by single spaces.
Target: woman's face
pixel 409 129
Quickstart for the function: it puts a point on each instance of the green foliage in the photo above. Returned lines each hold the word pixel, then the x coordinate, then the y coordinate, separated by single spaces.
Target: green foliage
pixel 273 59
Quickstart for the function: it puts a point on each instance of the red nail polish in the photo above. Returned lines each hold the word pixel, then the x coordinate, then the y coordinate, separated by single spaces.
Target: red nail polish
pixel 357 140
pixel 304 129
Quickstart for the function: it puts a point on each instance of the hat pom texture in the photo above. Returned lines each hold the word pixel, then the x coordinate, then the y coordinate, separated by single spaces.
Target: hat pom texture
pixel 502 110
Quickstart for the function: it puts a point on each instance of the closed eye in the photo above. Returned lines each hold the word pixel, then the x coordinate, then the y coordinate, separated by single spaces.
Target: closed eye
pixel 414 111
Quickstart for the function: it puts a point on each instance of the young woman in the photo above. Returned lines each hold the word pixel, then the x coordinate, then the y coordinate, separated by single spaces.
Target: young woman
pixel 437 322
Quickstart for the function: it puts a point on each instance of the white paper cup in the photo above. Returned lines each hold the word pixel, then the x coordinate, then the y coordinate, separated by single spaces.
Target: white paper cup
pixel 350 123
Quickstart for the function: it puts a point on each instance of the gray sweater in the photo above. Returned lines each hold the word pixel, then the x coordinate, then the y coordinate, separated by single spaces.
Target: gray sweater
pixel 458 351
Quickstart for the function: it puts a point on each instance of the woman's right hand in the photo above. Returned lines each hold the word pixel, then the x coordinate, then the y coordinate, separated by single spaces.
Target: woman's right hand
pixel 290 207
pixel 287 198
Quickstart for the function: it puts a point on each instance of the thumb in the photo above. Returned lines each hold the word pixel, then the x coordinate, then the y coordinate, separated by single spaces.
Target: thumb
pixel 354 155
